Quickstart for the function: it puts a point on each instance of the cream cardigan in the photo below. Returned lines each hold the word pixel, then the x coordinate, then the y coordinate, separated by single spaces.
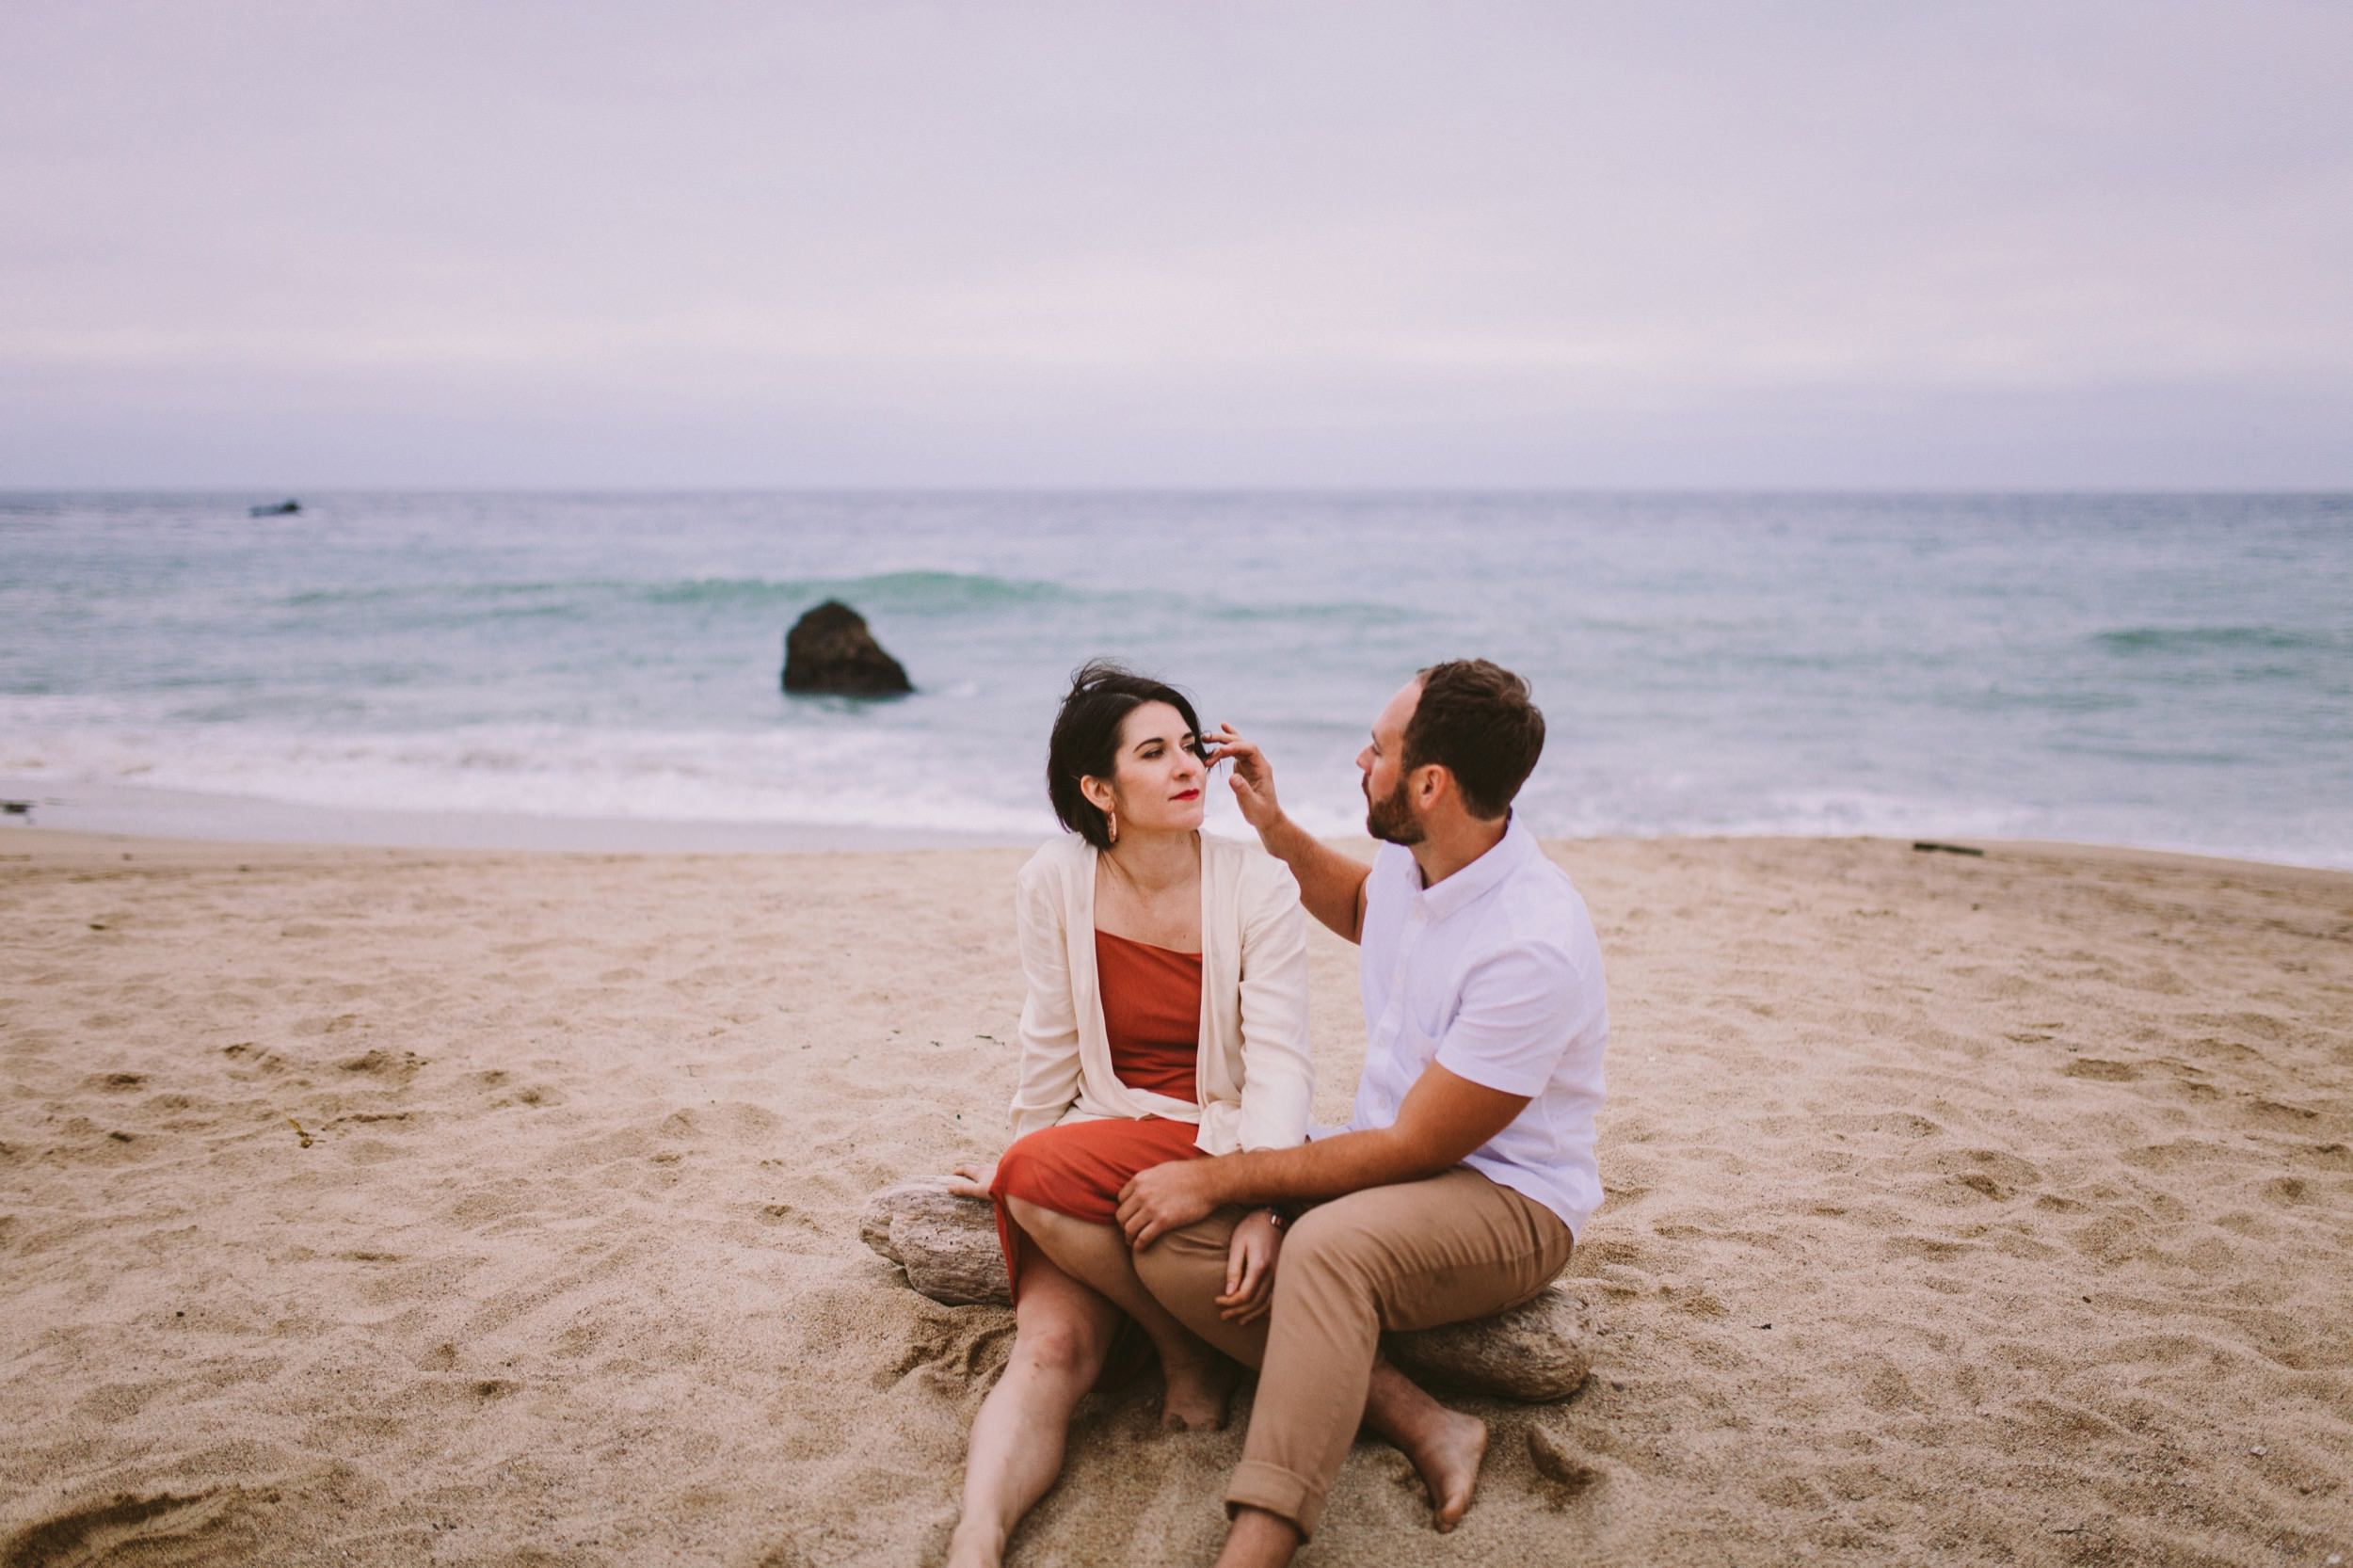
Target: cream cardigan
pixel 1255 1074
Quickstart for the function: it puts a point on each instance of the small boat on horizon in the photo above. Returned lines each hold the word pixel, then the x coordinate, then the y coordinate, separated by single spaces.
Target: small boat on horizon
pixel 285 509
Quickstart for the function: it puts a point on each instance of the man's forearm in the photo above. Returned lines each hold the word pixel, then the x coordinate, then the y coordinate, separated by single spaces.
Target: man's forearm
pixel 1329 882
pixel 1327 1168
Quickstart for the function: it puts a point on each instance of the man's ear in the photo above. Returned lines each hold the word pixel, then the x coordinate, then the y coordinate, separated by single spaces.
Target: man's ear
pixel 1432 783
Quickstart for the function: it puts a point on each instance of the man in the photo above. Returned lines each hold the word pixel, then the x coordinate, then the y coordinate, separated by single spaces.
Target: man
pixel 1468 1167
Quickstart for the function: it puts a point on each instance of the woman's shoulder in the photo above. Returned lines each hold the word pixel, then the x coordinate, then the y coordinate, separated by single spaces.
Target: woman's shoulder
pixel 1056 862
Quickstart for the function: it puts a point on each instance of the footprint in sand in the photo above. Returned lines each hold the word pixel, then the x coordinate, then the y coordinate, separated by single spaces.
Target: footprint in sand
pixel 394 1066
pixel 1989 1172
pixel 121 1528
pixel 2100 1070
pixel 252 1059
pixel 2278 1113
pixel 1887 1124
pixel 2261 1025
pixel 502 1090
pixel 1570 1475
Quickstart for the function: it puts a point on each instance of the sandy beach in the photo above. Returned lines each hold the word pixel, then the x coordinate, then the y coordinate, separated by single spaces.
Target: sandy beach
pixel 387 1207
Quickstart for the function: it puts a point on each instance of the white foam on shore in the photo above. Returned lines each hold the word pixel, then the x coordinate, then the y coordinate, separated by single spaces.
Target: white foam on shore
pixel 132 812
pixel 804 777
pixel 138 812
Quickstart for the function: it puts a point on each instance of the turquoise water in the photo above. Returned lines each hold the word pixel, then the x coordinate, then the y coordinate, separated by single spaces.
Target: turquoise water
pixel 2170 671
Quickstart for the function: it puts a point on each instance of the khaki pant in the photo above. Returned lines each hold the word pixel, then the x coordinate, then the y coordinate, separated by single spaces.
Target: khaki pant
pixel 1408 1257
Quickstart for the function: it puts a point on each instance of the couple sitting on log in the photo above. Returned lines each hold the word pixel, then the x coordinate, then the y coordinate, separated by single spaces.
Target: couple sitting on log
pixel 1161 1186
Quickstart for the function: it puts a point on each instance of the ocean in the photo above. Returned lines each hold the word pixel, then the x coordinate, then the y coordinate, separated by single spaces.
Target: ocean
pixel 2169 671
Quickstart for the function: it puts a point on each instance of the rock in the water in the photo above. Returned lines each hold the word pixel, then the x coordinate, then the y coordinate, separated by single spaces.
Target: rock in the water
pixel 829 652
pixel 948 1246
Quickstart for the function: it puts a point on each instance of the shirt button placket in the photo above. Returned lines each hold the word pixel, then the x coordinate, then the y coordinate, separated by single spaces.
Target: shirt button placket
pixel 1381 1058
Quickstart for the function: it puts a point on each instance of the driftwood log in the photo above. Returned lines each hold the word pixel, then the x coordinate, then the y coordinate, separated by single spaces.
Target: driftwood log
pixel 947 1244
pixel 1538 1351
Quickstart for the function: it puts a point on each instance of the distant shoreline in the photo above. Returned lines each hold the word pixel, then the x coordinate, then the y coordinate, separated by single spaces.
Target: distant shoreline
pixel 199 822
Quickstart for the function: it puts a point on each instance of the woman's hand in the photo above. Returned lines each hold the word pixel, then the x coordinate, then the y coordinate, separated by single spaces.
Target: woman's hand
pixel 1250 1268
pixel 975 1181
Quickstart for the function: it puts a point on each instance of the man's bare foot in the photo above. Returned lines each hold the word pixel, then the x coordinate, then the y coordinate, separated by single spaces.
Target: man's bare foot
pixel 1199 1389
pixel 1448 1450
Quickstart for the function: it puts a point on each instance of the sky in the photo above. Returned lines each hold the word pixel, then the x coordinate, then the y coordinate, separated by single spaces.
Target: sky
pixel 339 243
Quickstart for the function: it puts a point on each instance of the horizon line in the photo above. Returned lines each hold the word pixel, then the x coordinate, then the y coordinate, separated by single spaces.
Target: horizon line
pixel 1183 489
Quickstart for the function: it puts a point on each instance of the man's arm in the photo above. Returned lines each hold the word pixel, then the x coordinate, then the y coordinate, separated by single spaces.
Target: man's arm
pixel 1443 1117
pixel 1331 884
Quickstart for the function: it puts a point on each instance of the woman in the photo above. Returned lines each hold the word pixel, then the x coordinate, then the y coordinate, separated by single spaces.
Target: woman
pixel 1166 1019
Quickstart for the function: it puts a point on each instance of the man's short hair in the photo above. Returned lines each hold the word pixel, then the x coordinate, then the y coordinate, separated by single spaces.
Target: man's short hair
pixel 1475 720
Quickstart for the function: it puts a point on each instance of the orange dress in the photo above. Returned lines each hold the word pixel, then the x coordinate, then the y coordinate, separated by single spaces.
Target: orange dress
pixel 1152 1020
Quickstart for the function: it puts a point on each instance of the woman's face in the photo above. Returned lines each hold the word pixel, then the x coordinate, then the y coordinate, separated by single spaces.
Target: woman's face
pixel 1158 781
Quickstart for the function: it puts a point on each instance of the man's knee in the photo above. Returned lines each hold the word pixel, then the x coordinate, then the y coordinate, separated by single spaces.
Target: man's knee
pixel 1186 1267
pixel 1331 1238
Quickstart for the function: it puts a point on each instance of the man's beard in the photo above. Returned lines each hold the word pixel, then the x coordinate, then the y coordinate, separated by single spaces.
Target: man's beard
pixel 1391 819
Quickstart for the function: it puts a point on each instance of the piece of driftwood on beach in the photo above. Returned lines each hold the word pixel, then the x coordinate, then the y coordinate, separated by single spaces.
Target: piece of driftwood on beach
pixel 1536 1351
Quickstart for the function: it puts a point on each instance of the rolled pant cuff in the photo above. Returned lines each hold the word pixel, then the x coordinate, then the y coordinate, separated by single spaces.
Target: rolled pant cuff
pixel 1281 1493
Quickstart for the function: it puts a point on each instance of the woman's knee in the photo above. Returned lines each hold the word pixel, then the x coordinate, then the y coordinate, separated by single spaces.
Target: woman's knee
pixel 1030 1217
pixel 1060 1348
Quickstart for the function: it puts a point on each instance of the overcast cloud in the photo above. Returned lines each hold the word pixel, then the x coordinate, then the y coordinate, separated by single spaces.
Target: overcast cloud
pixel 1630 245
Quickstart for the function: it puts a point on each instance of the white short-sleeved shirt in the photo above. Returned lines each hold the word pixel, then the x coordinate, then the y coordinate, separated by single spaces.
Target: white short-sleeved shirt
pixel 1495 974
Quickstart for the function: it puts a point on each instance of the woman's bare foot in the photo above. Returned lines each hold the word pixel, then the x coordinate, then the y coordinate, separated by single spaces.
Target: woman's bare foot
pixel 975 1548
pixel 1448 1449
pixel 1199 1389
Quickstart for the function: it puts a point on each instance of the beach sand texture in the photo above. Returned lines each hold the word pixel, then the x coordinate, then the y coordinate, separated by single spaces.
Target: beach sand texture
pixel 1968 1210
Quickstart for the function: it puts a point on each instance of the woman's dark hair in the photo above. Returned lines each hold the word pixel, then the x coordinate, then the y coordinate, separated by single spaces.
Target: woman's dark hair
pixel 1086 743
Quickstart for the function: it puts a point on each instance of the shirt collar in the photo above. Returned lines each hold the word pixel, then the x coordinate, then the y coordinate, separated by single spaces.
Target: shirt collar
pixel 1482 875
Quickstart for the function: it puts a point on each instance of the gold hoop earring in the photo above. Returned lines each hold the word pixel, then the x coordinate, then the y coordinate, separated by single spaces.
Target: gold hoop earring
pixel 1111 825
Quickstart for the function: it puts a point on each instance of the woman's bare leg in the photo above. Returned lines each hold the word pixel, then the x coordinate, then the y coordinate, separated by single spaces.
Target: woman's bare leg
pixel 1062 1332
pixel 1200 1380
